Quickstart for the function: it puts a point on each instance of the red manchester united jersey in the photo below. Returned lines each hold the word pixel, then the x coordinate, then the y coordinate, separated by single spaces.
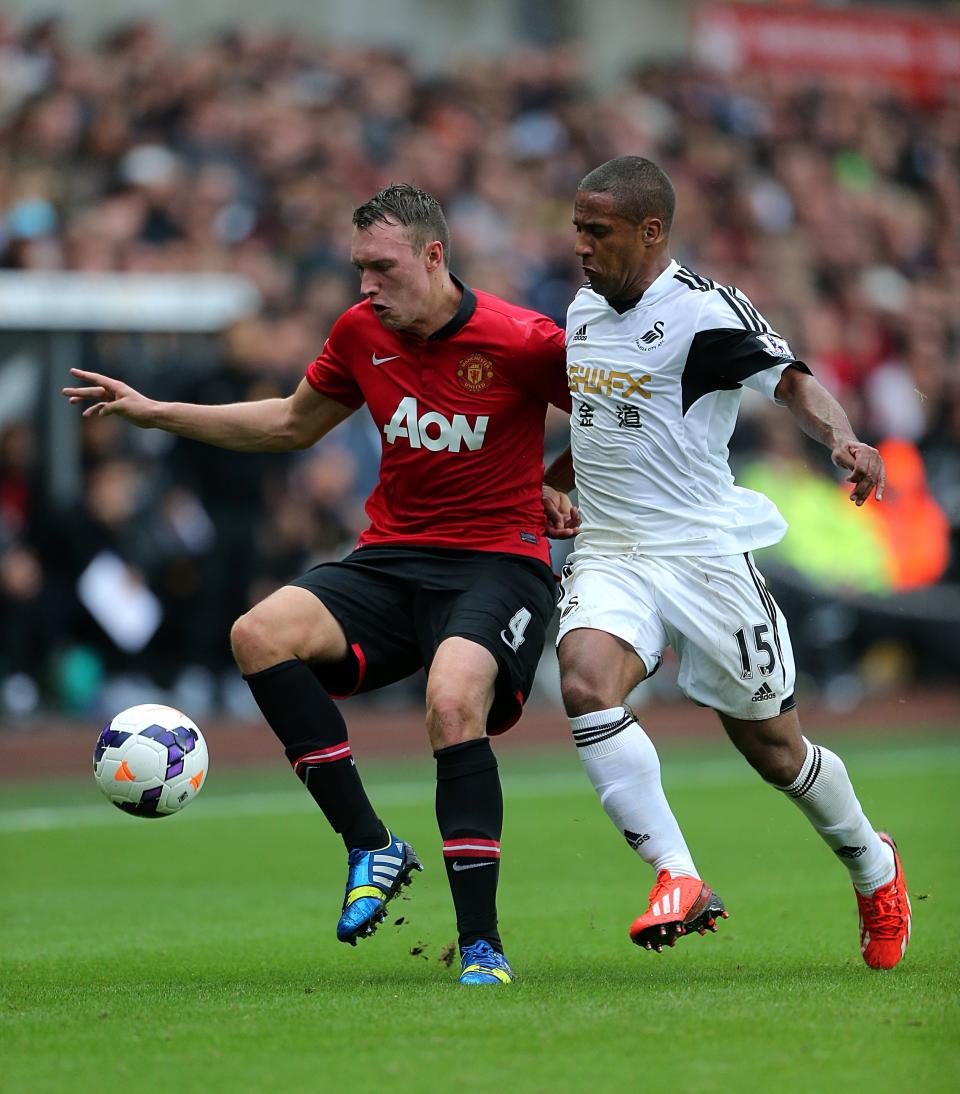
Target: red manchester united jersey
pixel 460 417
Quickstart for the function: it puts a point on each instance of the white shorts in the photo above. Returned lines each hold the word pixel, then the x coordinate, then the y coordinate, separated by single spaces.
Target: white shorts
pixel 715 611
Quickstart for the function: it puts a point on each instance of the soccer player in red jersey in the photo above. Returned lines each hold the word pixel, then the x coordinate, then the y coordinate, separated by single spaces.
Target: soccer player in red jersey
pixel 453 572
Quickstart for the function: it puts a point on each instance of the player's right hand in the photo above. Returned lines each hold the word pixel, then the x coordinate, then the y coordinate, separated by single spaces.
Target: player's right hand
pixel 865 465
pixel 562 516
pixel 110 396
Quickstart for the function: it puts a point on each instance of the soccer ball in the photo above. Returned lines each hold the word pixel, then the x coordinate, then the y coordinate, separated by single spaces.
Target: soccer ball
pixel 150 761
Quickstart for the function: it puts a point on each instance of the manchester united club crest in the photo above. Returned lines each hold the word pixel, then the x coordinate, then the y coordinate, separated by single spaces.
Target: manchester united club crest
pixel 475 373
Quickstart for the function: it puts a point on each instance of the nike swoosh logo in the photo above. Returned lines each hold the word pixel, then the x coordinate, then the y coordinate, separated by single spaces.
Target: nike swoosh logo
pixel 383 360
pixel 458 867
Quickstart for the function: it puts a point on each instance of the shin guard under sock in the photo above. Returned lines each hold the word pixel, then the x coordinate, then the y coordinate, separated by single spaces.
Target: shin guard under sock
pixel 625 770
pixel 824 794
pixel 470 816
pixel 314 736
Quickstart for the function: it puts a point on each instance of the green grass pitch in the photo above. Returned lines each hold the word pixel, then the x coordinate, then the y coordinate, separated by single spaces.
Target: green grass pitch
pixel 197 953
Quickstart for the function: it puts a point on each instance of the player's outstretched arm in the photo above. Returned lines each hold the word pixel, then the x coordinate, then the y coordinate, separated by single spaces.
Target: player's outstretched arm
pixel 821 417
pixel 263 425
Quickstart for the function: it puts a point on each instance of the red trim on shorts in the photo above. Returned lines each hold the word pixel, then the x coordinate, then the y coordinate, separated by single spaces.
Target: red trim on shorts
pixel 362 664
pixel 357 651
pixel 495 731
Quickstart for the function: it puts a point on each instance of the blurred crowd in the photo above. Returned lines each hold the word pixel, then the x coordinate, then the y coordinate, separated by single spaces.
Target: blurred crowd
pixel 835 208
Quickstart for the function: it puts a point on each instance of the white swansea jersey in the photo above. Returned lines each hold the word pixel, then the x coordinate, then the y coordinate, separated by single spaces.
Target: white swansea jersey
pixel 656 391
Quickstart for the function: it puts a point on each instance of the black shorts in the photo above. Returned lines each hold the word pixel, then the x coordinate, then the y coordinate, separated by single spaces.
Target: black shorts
pixel 397 604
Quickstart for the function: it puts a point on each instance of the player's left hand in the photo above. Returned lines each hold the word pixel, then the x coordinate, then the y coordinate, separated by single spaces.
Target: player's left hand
pixel 563 517
pixel 865 465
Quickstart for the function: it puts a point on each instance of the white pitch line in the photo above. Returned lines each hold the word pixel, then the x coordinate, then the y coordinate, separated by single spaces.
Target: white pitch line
pixel 681 773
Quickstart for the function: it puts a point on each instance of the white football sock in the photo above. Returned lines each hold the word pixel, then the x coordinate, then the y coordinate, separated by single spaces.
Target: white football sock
pixel 824 794
pixel 625 770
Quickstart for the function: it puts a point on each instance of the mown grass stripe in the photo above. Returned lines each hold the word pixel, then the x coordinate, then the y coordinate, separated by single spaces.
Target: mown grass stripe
pixel 720 771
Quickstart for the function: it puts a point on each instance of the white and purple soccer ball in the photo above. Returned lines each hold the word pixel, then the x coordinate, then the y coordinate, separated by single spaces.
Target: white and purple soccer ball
pixel 150 761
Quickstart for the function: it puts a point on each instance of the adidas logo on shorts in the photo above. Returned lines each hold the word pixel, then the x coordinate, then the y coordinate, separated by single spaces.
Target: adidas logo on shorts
pixel 763 693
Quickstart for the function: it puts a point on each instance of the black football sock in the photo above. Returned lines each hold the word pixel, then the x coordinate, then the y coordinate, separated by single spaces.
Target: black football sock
pixel 470 815
pixel 314 736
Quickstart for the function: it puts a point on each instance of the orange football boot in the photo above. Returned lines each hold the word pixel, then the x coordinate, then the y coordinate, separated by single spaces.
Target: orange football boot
pixel 885 918
pixel 678 905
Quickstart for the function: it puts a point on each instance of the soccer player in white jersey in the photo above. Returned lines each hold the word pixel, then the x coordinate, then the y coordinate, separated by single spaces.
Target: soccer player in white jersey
pixel 656 359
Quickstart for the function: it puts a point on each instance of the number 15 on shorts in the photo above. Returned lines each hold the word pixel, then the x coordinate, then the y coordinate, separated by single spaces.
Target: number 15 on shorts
pixel 763 650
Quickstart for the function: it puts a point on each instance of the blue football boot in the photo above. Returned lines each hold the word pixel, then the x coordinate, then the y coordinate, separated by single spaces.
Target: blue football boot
pixel 481 964
pixel 373 880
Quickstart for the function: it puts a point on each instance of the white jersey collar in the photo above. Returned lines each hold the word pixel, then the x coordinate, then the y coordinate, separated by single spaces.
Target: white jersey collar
pixel 661 285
